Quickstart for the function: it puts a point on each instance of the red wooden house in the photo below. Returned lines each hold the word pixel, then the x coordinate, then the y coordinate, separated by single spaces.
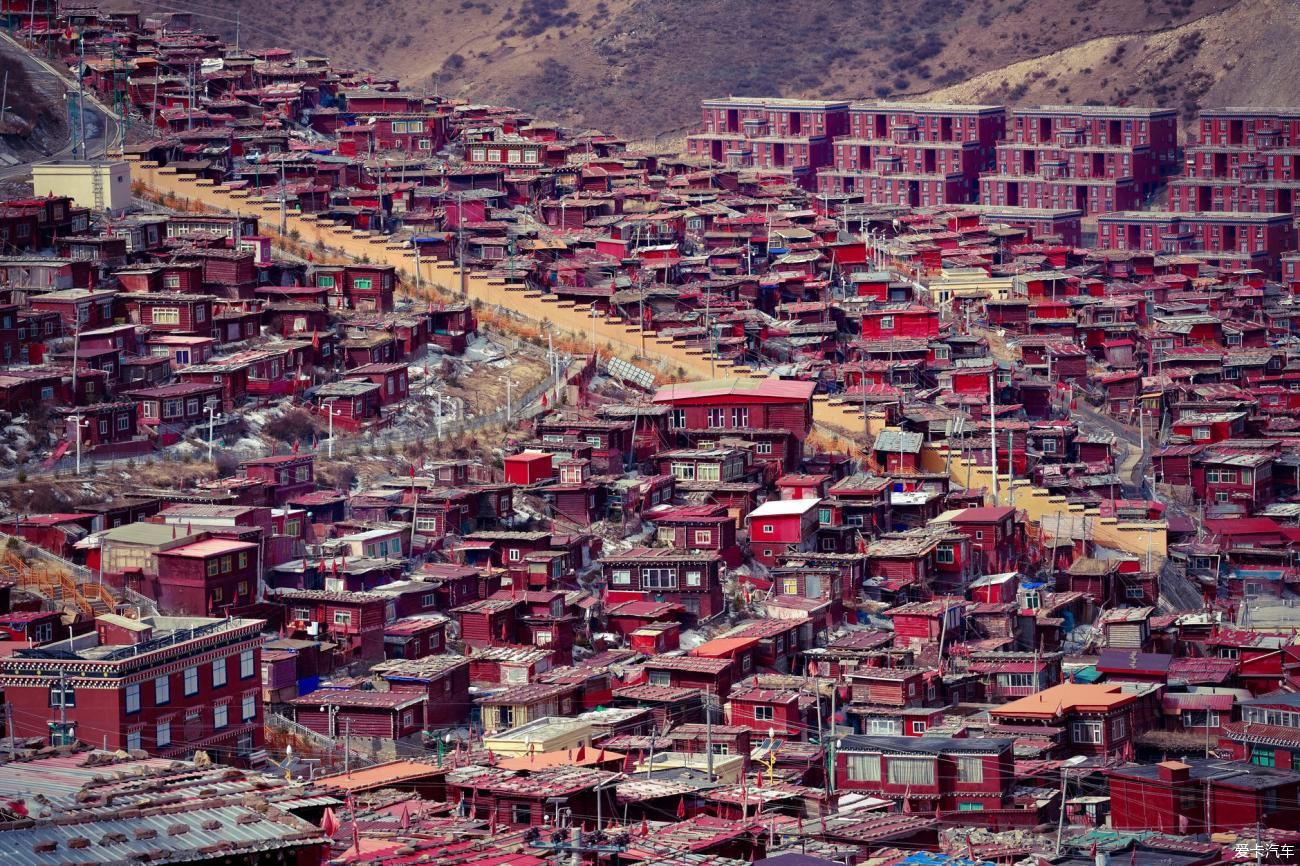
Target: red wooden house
pixel 929 773
pixel 739 403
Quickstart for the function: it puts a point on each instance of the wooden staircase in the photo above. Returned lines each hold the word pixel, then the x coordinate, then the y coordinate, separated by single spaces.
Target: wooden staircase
pixel 55 584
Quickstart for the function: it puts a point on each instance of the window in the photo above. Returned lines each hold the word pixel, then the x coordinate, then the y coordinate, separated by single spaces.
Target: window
pixel 249 708
pixel 864 768
pixel 684 471
pixel 970 807
pixel 162 691
pixel 790 586
pixel 621 577
pixel 226 564
pixel 132 741
pixel 1263 757
pixel 521 813
pixel 658 578
pixel 200 314
pixel 693 578
pixel 363 283
pixel 343 617
pixel 1087 732
pixel 703 536
pixel 163 734
pixel 919 727
pixel 133 698
pixel 911 771
pixel 1200 432
pixel 677 419
pixel 886 323
pixel 218 673
pixel 62 695
pixel 1049 446
pixel 945 554
pixel 243 559
pixel 191 681
pixel 740 417
pixel 717 417
pixel 970 769
pixel 220 716
pixel 763 448
pixel 721 749
pixel 246 669
pixel 660 678
pixel 763 714
pixel 123 422
pixel 324 281
pixel 214 567
pixel 1015 680
pixel 1134 592
pixel 885 727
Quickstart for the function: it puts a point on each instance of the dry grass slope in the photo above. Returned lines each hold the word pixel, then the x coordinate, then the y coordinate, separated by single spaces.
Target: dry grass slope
pixel 640 66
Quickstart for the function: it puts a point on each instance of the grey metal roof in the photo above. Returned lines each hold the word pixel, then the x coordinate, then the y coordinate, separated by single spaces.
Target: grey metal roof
pixel 899 441
pixel 175 836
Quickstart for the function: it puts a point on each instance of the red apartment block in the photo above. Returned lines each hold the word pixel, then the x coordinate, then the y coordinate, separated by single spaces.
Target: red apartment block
pixel 167 685
pixel 1097 159
pixel 785 137
pixel 914 154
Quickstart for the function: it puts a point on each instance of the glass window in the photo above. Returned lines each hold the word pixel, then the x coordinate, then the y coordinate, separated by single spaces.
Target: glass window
pixel 162 691
pixel 133 698
pixel 218 673
pixel 163 734
pixel 970 769
pixel 191 681
pixel 249 708
pixel 864 768
pixel 246 669
pixel 220 716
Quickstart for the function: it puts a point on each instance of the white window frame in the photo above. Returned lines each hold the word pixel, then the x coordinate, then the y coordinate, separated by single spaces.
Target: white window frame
pixel 219 673
pixel 162 691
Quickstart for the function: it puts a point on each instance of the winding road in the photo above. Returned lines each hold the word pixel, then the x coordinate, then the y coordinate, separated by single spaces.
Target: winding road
pixel 102 125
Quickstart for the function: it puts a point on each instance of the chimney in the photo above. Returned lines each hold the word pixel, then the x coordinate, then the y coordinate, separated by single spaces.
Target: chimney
pixel 1173 771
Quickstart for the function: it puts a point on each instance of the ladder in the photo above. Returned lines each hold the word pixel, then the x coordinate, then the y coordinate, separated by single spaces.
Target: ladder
pixel 97 186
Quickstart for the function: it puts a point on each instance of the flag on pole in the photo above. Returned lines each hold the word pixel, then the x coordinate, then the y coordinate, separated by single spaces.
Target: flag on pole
pixel 329 822
pixel 681 808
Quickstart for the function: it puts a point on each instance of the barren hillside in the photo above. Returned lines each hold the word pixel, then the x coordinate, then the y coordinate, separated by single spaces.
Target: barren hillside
pixel 640 66
pixel 1220 59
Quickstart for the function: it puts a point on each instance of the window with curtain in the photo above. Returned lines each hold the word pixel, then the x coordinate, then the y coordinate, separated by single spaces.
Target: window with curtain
pixel 970 769
pixel 911 771
pixel 864 768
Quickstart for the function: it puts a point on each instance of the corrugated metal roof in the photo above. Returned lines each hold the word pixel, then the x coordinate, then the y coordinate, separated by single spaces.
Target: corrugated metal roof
pixel 180 835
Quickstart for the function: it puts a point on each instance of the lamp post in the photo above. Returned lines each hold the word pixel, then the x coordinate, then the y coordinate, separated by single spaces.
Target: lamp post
pixel 79 426
pixel 212 417
pixel 332 412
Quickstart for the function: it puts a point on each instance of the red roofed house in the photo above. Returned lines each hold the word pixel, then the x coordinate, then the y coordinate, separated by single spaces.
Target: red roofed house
pixel 739 403
pixel 206 577
pixel 780 527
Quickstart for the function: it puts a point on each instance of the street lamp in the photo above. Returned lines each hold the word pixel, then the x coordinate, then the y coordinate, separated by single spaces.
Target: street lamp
pixel 332 412
pixel 79 426
pixel 212 417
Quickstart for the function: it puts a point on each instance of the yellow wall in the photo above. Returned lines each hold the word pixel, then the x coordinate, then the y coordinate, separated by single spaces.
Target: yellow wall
pixel 1137 537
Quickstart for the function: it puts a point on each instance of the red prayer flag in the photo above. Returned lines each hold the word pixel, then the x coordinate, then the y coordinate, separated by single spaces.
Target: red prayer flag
pixel 329 822
pixel 645 826
pixel 681 808
pixel 406 816
pixel 582 753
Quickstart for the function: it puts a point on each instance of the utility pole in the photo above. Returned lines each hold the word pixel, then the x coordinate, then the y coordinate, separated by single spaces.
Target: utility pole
pixel 1060 821
pixel 830 751
pixel 993 430
pixel 9 729
pixel 347 747
pixel 460 240
pixel 708 732
pixel 81 93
